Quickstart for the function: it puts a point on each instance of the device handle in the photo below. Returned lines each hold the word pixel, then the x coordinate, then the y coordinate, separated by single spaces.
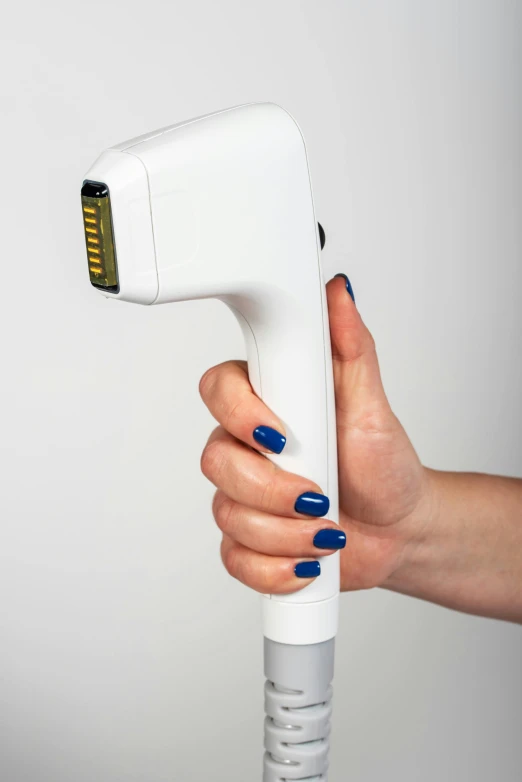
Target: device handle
pixel 290 368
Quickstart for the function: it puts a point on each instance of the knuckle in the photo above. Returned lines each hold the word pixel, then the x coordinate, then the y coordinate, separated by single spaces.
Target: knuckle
pixel 212 460
pixel 207 384
pixel 376 420
pixel 260 574
pixel 253 574
pixel 294 534
pixel 273 580
pixel 267 494
pixel 230 558
pixel 251 571
pixel 267 578
pixel 222 508
pixel 234 414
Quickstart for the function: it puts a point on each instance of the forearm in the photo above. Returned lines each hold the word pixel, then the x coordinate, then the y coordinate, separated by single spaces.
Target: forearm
pixel 467 554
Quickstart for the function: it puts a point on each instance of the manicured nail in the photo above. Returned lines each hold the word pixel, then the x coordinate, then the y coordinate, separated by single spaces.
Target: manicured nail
pixel 308 569
pixel 348 285
pixel 269 438
pixel 312 504
pixel 322 236
pixel 330 538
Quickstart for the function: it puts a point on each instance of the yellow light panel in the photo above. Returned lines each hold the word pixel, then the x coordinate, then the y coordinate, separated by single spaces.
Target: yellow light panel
pixel 97 220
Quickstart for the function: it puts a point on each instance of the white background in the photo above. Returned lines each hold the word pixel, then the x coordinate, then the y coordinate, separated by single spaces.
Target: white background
pixel 126 652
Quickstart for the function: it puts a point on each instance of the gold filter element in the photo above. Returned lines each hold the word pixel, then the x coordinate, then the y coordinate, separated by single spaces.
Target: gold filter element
pixel 99 239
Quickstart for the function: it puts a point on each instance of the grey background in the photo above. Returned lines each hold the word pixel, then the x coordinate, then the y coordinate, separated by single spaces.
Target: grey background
pixel 126 652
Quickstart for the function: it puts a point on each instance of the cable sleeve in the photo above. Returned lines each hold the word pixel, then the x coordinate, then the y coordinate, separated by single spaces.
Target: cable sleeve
pixel 298 707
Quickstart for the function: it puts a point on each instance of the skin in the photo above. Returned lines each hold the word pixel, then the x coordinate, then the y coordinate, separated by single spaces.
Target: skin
pixel 450 538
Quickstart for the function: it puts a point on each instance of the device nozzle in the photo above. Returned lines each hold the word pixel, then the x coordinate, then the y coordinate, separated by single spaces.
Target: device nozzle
pixel 99 239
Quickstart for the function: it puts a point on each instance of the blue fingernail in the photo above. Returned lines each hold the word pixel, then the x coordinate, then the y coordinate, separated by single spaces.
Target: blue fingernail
pixel 269 438
pixel 308 569
pixel 348 285
pixel 312 504
pixel 330 538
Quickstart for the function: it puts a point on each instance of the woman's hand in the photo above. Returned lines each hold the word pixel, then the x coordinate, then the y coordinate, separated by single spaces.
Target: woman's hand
pixel 452 538
pixel 275 523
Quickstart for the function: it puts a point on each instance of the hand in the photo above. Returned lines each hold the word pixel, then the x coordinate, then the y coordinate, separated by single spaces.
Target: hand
pixel 383 488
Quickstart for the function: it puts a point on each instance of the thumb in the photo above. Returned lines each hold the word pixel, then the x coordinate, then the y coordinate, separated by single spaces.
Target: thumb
pixel 360 398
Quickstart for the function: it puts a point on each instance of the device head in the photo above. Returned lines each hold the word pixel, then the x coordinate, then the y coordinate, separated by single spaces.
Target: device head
pixel 216 206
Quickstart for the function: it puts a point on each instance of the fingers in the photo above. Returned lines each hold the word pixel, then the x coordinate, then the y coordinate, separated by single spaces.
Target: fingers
pixel 266 574
pixel 252 480
pixel 275 535
pixel 360 399
pixel 226 391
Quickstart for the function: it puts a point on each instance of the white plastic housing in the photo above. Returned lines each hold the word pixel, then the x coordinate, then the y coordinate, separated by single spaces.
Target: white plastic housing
pixel 221 206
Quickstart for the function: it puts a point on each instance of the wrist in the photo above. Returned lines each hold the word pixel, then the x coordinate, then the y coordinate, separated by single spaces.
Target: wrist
pixel 418 532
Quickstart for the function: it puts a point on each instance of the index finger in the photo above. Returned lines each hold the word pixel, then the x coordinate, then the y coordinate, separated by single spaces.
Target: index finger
pixel 226 391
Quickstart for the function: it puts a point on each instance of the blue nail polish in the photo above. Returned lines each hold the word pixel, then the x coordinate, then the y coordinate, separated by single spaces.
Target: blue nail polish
pixel 330 538
pixel 269 438
pixel 308 569
pixel 312 504
pixel 348 285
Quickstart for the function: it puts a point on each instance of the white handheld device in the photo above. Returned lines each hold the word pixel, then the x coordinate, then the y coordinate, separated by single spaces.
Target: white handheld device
pixel 221 206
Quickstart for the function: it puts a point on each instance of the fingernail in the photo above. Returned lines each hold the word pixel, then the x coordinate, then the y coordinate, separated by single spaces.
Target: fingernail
pixel 322 236
pixel 330 538
pixel 348 285
pixel 269 438
pixel 308 569
pixel 312 504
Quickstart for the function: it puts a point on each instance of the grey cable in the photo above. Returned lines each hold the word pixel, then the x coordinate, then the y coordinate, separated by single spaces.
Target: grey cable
pixel 298 706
